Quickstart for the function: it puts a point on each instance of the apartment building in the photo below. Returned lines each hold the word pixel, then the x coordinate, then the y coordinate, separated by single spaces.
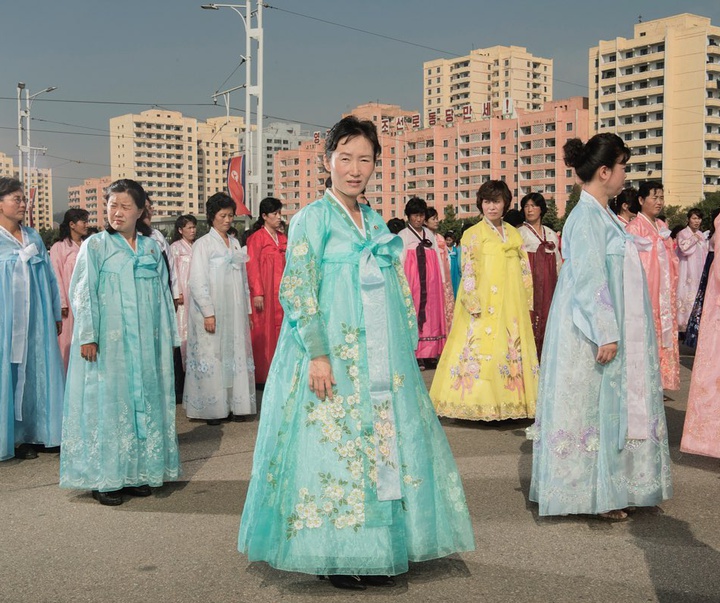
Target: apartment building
pixel 445 164
pixel 90 196
pixel 660 91
pixel 38 188
pixel 218 139
pixel 508 77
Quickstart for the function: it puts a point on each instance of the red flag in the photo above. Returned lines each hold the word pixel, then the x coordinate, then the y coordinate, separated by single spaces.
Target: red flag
pixel 236 184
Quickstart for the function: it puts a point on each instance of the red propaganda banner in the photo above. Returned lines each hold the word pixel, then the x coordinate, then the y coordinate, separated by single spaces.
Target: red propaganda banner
pixel 467 112
pixel 32 193
pixel 432 118
pixel 385 128
pixel 316 137
pixel 449 116
pixel 236 184
pixel 416 120
pixel 399 123
pixel 486 107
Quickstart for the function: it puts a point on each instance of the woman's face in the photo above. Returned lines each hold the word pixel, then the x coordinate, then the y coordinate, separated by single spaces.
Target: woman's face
pixel 694 222
pixel 351 165
pixel 532 211
pixel 653 204
pixel 188 232
pixel 122 213
pixel 13 206
pixel 493 209
pixel 80 228
pixel 272 220
pixel 449 241
pixel 416 220
pixel 433 223
pixel 223 220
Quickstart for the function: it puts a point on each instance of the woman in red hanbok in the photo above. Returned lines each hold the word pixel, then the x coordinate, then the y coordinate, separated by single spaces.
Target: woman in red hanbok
pixel 73 230
pixel 543 249
pixel 266 248
pixel 658 257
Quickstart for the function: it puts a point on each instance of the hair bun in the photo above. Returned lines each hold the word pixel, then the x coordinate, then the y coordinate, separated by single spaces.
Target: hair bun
pixel 574 150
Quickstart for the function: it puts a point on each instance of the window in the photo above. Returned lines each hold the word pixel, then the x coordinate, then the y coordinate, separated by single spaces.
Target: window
pixel 569 127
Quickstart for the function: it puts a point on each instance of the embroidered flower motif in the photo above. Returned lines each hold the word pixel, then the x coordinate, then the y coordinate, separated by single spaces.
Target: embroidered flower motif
pixel 562 443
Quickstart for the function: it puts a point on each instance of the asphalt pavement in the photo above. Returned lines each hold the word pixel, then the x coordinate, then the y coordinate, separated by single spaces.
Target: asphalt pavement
pixel 179 545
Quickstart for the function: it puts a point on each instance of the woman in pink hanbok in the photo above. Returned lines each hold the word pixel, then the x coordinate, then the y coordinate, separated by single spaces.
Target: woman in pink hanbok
pixel 432 222
pixel 421 262
pixel 73 230
pixel 692 250
pixel 701 434
pixel 660 262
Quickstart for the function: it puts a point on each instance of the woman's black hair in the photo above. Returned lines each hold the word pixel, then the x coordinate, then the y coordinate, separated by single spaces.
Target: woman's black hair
pixel 676 229
pixel 137 194
pixel 494 189
pixel 451 234
pixel 514 217
pixel 268 205
pixel 626 196
pixel 695 211
pixel 395 225
pixel 217 202
pixel 182 222
pixel 604 149
pixel 415 205
pixel 537 199
pixel 348 128
pixel 74 214
pixel 10 185
pixel 431 213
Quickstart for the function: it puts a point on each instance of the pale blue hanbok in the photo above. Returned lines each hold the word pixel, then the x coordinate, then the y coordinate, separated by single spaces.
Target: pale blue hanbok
pixel 364 482
pixel 119 412
pixel 31 368
pixel 600 437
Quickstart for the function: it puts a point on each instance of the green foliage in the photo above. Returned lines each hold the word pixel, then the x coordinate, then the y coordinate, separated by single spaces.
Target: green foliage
pixel 49 236
pixel 450 222
pixel 551 219
pixel 675 215
pixel 707 206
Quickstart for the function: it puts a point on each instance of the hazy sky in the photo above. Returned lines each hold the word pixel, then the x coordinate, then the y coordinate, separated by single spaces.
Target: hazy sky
pixel 172 53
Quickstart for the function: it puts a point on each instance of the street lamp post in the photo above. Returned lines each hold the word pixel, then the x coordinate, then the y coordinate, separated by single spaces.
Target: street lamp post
pixel 24 148
pixel 252 21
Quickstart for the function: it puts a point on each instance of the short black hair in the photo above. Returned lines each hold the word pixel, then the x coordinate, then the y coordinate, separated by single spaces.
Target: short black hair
pixel 695 211
pixel 137 194
pixel 649 186
pixel 10 185
pixel 181 222
pixel 349 127
pixel 537 199
pixel 217 202
pixel 494 189
pixel 416 205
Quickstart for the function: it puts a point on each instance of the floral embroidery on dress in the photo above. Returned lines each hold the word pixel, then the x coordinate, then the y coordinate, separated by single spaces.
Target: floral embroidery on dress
pixel 512 371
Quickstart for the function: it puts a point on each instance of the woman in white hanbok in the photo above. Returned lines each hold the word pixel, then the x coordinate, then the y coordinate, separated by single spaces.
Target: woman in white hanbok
pixel 220 373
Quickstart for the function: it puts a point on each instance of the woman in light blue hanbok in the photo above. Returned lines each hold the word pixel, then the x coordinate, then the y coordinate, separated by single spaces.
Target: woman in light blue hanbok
pixel 31 367
pixel 600 438
pixel 352 475
pixel 119 415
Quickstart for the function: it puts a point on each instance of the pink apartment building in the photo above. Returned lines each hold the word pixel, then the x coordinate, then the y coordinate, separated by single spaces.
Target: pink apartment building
pixel 89 196
pixel 446 163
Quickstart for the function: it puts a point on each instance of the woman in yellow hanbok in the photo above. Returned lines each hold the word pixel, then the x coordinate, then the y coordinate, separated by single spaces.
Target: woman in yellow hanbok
pixel 488 370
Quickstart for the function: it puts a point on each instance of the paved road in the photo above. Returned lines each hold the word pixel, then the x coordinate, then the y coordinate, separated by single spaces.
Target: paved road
pixel 179 545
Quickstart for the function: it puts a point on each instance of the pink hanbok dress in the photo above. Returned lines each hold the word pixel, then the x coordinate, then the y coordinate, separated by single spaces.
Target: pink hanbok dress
pixel 692 250
pixel 63 255
pixel 181 252
pixel 660 263
pixel 421 262
pixel 701 434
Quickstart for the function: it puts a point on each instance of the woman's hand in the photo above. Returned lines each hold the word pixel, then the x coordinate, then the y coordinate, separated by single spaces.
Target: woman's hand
pixel 258 303
pixel 210 324
pixel 89 351
pixel 606 353
pixel 320 377
pixel 181 300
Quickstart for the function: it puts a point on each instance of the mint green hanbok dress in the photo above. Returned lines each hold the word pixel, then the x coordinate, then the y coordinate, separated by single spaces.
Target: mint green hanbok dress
pixel 600 436
pixel 364 482
pixel 119 412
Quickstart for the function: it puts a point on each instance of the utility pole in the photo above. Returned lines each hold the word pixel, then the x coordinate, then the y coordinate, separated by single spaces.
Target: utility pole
pixel 254 153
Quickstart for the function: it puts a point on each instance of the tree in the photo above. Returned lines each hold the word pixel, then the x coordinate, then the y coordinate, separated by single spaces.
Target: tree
pixel 550 219
pixel 675 215
pixel 450 222
pixel 571 203
pixel 49 236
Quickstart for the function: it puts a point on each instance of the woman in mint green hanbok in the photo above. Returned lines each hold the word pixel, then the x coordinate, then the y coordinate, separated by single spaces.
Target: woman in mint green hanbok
pixel 600 438
pixel 119 413
pixel 31 368
pixel 352 475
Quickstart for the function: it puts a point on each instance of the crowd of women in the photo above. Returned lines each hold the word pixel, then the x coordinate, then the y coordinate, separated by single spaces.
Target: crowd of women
pixel 352 473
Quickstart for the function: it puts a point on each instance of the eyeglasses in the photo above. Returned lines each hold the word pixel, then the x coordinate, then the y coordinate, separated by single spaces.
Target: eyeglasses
pixel 16 199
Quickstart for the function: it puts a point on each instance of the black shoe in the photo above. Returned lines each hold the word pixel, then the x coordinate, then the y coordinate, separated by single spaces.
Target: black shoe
pixel 345 582
pixel 26 451
pixel 109 499
pixel 50 449
pixel 143 490
pixel 378 580
pixel 213 422
pixel 237 418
